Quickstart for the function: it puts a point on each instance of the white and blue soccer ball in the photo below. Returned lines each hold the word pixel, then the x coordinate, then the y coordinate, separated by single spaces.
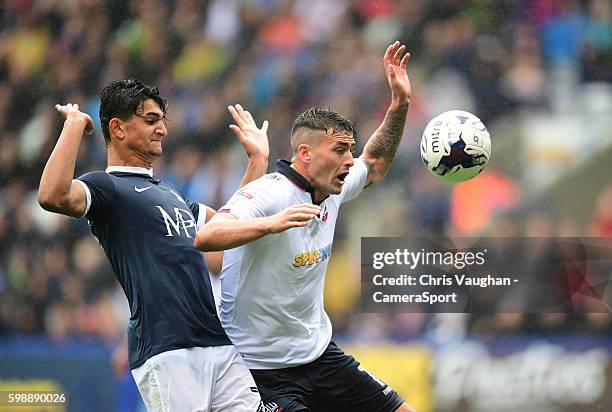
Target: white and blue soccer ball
pixel 455 146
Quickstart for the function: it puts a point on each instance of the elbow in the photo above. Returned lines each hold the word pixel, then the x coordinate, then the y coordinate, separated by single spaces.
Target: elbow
pixel 53 202
pixel 378 175
pixel 47 201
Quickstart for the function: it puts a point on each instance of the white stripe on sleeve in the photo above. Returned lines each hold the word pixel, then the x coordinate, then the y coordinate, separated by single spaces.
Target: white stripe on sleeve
pixel 201 216
pixel 88 194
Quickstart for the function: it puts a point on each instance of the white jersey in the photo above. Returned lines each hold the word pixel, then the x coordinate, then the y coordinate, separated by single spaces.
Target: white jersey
pixel 272 288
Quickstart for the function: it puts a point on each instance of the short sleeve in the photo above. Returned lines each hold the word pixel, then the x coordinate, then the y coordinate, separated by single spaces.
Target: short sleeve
pixel 100 191
pixel 199 212
pixel 355 181
pixel 254 200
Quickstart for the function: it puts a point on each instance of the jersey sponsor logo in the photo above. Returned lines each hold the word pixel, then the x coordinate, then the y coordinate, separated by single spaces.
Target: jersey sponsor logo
pixel 312 257
pixel 182 221
pixel 141 189
pixel 306 258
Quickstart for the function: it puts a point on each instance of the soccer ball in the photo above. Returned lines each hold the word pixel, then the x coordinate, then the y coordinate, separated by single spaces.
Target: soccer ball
pixel 455 146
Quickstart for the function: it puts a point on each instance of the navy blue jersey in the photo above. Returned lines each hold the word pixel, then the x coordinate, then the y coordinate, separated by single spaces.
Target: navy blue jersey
pixel 147 230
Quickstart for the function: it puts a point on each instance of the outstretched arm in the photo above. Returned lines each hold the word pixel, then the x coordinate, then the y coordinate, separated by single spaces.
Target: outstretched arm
pixel 58 192
pixel 381 147
pixel 226 231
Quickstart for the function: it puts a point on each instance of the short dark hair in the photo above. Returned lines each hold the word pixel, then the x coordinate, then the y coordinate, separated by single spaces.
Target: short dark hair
pixel 122 98
pixel 317 118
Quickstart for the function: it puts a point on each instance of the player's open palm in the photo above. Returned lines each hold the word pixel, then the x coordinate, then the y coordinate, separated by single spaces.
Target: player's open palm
pixel 253 139
pixel 395 61
pixel 293 216
pixel 71 111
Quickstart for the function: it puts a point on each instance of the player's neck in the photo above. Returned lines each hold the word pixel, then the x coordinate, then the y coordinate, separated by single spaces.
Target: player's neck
pixel 117 158
pixel 318 196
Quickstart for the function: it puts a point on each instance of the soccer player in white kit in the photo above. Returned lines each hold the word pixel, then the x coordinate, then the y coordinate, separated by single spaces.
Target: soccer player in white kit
pixel 279 231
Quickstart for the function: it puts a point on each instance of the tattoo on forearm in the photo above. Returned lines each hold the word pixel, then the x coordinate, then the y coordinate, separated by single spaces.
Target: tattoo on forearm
pixel 385 140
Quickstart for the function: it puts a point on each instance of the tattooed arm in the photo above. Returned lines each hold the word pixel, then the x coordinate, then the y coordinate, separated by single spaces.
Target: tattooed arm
pixel 382 145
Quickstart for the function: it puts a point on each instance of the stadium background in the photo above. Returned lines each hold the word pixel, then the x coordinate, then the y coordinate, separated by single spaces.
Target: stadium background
pixel 536 72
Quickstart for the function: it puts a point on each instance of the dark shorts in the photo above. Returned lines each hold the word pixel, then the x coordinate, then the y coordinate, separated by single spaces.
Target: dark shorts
pixel 334 382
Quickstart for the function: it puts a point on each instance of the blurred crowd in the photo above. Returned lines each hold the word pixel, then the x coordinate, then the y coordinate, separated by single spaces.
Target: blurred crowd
pixel 277 58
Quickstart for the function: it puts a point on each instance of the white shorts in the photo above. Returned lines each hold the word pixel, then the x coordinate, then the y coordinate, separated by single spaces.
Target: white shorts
pixel 197 379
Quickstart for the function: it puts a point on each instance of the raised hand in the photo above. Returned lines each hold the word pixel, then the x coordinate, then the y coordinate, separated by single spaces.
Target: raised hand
pixel 71 111
pixel 253 139
pixel 293 216
pixel 395 61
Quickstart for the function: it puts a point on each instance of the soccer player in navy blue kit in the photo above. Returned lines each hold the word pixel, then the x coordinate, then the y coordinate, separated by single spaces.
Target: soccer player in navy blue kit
pixel 179 354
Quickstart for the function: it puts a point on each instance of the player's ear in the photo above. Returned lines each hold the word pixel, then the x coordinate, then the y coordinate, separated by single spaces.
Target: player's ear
pixel 116 128
pixel 303 152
